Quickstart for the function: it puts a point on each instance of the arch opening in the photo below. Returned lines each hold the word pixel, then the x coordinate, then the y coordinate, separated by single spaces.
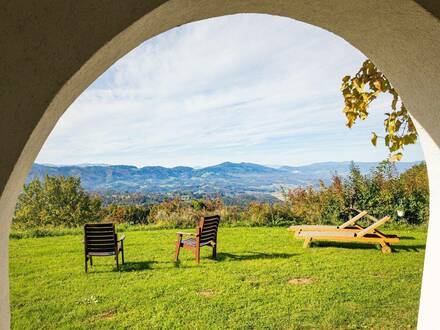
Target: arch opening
pixel 22 153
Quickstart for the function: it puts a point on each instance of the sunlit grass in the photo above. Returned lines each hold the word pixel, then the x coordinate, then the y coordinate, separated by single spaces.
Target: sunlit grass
pixel 263 279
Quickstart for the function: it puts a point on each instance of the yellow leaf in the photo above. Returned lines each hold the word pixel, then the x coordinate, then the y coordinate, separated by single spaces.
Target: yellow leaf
pixel 377 84
pixel 396 157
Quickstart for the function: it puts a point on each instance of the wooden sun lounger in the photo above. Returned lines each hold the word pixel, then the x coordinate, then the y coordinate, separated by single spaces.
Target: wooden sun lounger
pixel 349 225
pixel 369 235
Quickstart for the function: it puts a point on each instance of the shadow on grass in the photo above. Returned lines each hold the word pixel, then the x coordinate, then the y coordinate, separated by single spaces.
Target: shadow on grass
pixel 358 246
pixel 126 267
pixel 339 245
pixel 135 266
pixel 146 265
pixel 179 264
pixel 407 238
pixel 223 256
pixel 408 248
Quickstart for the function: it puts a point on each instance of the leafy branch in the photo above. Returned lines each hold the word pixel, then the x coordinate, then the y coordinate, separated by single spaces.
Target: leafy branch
pixel 362 89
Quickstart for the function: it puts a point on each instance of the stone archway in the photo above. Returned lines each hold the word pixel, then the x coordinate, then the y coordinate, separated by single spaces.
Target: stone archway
pixel 52 51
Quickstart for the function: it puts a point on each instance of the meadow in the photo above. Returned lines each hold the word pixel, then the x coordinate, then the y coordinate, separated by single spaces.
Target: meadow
pixel 262 279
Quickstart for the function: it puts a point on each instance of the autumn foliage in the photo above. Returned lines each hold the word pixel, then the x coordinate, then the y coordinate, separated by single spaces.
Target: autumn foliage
pixel 361 90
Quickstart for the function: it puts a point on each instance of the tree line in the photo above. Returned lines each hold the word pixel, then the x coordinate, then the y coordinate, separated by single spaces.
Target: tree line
pixel 62 202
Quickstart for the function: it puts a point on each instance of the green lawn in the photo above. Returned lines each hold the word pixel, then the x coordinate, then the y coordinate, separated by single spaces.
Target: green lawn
pixel 263 279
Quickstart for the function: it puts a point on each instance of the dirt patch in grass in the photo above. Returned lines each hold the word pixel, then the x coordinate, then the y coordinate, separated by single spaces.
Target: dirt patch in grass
pixel 206 293
pixel 107 315
pixel 300 281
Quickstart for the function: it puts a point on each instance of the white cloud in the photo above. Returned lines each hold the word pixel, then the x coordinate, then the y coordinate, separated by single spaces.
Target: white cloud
pixel 240 88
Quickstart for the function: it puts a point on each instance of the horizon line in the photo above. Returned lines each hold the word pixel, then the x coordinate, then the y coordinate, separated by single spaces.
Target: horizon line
pixel 216 164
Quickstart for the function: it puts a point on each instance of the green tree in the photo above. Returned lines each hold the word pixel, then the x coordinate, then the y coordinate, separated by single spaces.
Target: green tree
pixel 356 188
pixel 361 90
pixel 415 194
pixel 57 201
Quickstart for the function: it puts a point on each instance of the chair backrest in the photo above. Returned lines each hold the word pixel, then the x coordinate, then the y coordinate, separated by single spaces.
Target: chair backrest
pixel 100 237
pixel 208 227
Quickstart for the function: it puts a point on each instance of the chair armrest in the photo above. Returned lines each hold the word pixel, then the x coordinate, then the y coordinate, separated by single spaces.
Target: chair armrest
pixel 121 238
pixel 181 233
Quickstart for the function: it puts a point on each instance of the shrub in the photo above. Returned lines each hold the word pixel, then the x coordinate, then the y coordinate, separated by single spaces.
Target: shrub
pixel 57 201
pixel 130 214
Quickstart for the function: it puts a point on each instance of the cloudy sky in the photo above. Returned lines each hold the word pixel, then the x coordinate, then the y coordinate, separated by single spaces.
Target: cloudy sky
pixel 251 88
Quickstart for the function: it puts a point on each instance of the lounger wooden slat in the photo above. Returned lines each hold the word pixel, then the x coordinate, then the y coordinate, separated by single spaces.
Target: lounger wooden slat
pixel 350 224
pixel 349 236
pixel 326 228
pixel 372 227
pixel 353 220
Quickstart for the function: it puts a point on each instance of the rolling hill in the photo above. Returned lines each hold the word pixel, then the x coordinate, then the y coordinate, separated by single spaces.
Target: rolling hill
pixel 225 177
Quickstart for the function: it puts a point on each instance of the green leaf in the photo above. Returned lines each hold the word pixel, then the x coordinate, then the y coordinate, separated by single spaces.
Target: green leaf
pixel 394 103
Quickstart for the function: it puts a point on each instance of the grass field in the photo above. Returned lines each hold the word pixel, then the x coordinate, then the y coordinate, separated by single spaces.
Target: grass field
pixel 263 279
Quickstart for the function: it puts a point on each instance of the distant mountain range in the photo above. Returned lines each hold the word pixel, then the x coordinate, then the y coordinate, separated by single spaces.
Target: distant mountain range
pixel 225 177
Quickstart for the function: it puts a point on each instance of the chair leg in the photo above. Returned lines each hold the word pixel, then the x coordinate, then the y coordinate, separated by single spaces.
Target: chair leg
pixel 117 261
pixel 85 263
pixel 91 261
pixel 176 257
pixel 214 251
pixel 198 255
pixel 122 252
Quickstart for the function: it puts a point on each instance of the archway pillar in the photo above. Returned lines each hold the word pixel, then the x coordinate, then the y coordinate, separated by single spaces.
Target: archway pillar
pixel 5 220
pixel 429 300
pixel 4 275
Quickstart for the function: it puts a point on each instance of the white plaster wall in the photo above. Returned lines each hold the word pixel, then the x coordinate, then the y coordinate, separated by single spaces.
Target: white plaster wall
pixel 52 50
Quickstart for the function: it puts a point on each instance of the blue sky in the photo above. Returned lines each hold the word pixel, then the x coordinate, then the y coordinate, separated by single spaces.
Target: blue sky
pixel 252 88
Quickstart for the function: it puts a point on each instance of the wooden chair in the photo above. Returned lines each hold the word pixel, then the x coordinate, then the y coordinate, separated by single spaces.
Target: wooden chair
pixel 206 235
pixel 369 235
pixel 100 240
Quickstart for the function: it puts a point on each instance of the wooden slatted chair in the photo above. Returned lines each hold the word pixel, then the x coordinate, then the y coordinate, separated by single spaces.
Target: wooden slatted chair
pixel 101 240
pixel 206 235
